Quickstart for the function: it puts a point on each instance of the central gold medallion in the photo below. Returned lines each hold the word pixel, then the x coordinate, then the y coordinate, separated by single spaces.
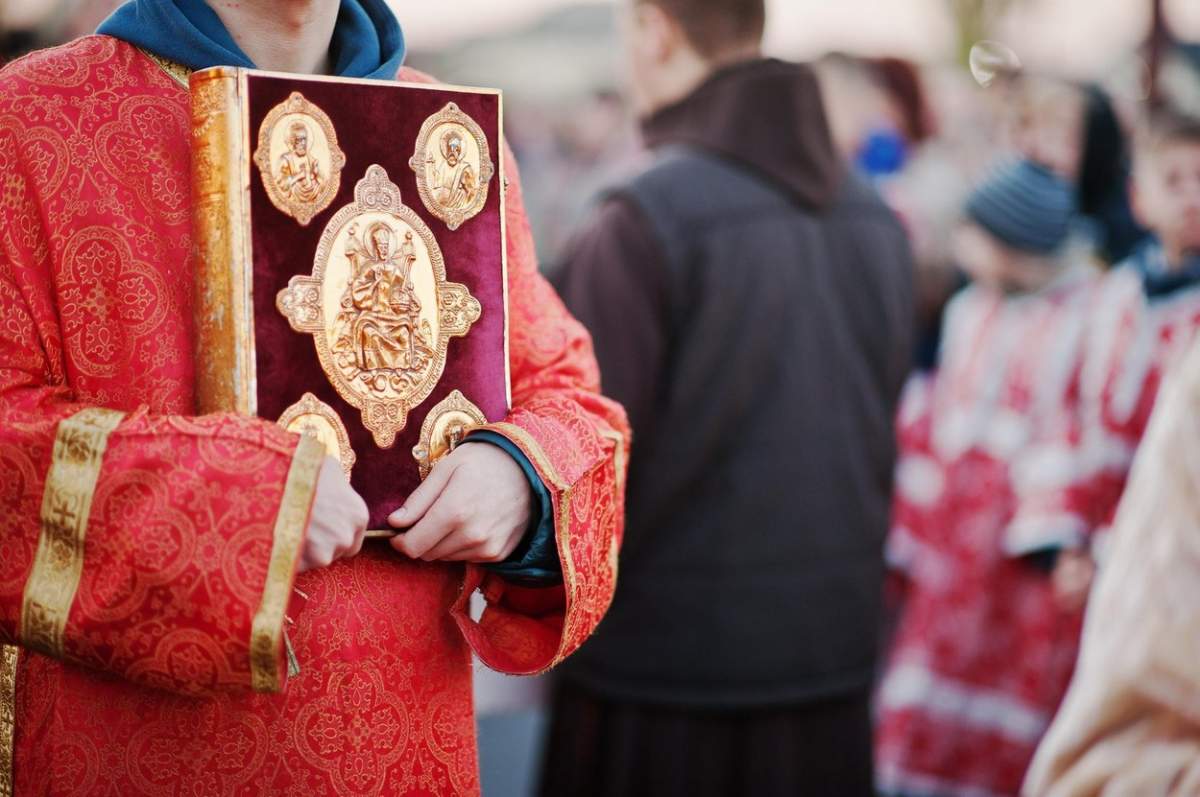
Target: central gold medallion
pixel 379 307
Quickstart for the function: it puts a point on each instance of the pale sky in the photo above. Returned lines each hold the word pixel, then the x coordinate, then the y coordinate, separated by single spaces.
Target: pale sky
pixel 1075 35
pixel 793 23
pixel 431 24
pixel 1071 35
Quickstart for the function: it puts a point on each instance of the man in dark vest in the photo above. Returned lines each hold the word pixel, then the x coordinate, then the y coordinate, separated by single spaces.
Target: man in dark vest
pixel 751 304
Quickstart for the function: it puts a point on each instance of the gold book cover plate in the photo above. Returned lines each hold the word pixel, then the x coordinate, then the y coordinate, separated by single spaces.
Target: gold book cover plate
pixel 350 266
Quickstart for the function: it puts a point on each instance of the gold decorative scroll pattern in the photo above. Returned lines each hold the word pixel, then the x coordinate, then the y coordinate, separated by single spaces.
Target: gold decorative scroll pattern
pixel 266 637
pixel 79 447
pixel 176 71
pixel 8 716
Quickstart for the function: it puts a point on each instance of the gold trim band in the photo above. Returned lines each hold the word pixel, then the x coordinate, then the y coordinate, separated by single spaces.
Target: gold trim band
pixel 8 716
pixel 176 71
pixel 619 473
pixel 266 632
pixel 79 447
pixel 619 455
pixel 525 441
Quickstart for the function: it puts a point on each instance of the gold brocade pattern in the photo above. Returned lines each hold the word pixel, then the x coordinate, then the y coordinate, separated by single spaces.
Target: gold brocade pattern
pixel 266 636
pixel 66 503
pixel 178 72
pixel 620 470
pixel 562 525
pixel 535 452
pixel 8 716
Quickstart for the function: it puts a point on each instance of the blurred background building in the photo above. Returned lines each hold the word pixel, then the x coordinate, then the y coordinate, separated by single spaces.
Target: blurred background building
pixel 559 64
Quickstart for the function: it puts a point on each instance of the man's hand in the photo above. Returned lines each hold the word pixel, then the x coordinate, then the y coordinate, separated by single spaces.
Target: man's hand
pixel 474 506
pixel 338 519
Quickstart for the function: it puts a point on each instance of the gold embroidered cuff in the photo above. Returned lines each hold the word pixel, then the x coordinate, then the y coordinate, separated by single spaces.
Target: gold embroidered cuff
pixel 620 470
pixel 8 716
pixel 79 447
pixel 266 634
pixel 537 455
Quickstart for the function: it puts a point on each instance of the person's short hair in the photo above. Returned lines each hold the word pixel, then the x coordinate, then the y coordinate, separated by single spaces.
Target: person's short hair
pixel 714 27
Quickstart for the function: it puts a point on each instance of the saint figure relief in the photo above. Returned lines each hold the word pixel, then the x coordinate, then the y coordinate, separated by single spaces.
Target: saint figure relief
pixel 298 174
pixel 379 325
pixel 454 180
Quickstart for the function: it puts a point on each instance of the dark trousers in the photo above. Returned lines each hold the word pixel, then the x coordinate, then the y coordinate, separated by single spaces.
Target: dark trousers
pixel 597 747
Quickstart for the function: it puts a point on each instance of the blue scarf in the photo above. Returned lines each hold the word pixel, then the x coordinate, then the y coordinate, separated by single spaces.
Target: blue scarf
pixel 367 41
pixel 1158 279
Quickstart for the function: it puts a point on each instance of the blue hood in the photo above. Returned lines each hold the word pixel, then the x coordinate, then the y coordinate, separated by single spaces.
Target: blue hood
pixel 367 41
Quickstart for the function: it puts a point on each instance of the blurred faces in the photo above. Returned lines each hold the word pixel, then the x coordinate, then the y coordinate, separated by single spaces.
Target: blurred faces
pixel 855 105
pixel 1048 128
pixel 1166 195
pixel 992 265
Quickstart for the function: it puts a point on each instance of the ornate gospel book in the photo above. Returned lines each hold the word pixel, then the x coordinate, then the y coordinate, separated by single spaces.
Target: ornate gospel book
pixel 350 266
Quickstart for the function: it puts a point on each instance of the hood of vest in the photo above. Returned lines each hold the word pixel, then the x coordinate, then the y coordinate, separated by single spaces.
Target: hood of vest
pixel 765 115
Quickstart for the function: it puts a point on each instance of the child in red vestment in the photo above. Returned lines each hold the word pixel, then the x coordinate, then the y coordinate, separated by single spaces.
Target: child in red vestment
pixel 1128 723
pixel 986 643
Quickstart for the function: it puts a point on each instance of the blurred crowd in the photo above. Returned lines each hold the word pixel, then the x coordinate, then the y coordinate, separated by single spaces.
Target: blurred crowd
pixel 1052 231
pixel 1055 227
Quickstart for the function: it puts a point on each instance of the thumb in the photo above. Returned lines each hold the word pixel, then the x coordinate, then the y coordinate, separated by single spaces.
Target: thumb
pixel 422 498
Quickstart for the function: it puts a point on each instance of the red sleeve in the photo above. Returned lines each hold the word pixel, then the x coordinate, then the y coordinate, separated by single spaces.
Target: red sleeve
pixel 1052 483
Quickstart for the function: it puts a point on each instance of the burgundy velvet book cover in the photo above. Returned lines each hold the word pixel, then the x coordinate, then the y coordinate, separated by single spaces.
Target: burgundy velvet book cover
pixel 376 123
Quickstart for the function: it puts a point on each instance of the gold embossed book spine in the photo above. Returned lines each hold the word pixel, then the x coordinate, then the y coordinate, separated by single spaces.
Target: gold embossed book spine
pixel 222 267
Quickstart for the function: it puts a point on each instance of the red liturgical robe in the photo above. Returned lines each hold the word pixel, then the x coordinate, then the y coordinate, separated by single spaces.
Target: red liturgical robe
pixel 147 556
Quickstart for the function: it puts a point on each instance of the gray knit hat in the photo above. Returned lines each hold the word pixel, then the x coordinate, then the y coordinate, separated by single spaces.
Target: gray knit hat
pixel 1025 206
